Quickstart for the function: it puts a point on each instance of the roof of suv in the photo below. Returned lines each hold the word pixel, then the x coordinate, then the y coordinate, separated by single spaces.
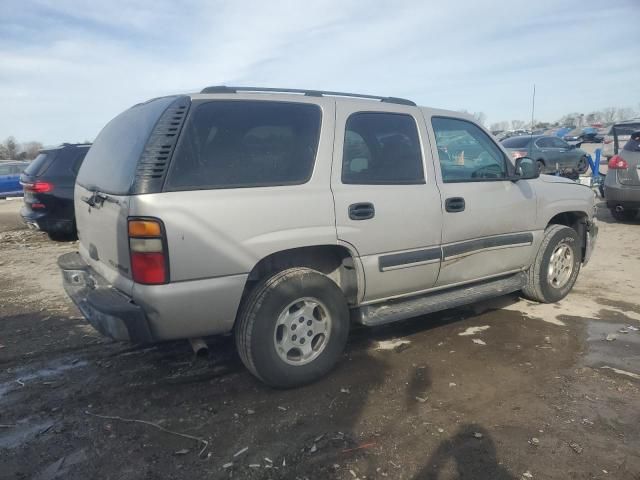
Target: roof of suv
pixel 286 94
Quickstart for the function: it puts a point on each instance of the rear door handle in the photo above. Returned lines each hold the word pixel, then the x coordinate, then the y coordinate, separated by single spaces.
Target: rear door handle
pixel 454 204
pixel 361 211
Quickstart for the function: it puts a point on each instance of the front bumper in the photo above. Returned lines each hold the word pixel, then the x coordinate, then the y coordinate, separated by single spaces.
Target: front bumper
pixel 591 237
pixel 107 309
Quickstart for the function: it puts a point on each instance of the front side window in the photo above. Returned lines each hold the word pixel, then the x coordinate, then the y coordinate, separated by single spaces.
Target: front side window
pixel 235 144
pixel 381 149
pixel 466 152
pixel 5 169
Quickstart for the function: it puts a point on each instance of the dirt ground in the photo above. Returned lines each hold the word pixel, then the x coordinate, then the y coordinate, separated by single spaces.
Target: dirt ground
pixel 505 389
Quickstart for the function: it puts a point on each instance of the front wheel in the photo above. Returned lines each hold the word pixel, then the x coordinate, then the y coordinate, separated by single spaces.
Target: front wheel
pixel 292 328
pixel 540 165
pixel 556 266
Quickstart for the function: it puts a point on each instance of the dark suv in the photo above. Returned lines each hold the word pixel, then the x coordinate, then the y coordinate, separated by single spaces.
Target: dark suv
pixel 48 190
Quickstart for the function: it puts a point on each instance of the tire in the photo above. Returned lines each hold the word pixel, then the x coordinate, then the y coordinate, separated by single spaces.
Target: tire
pixel 540 285
pixel 583 165
pixel 269 318
pixel 541 165
pixel 624 216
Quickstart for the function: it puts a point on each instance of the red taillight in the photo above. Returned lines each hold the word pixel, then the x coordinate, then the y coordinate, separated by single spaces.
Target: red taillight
pixel 149 263
pixel 519 154
pixel 148 268
pixel 618 163
pixel 38 187
pixel 37 205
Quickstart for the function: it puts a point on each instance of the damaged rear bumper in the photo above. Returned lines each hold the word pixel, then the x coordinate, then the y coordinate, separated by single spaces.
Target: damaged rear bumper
pixel 107 309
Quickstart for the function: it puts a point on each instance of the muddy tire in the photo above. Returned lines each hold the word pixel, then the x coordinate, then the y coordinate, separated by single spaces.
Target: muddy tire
pixel 292 328
pixel 556 266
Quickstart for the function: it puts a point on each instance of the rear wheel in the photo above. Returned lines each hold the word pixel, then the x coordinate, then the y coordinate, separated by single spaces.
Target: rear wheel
pixel 583 165
pixel 556 266
pixel 624 215
pixel 540 165
pixel 292 328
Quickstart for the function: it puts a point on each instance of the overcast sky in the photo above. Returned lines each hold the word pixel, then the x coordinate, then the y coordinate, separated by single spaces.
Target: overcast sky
pixel 67 67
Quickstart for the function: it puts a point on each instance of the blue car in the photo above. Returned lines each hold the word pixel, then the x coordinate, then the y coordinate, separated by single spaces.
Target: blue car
pixel 10 178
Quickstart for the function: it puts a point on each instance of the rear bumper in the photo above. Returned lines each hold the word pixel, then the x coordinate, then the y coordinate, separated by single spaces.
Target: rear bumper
pixel 45 221
pixel 108 310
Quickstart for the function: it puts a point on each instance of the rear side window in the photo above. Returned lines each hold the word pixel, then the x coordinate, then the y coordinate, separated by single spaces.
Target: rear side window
pixel 41 163
pixel 516 142
pixel 236 144
pixel 110 165
pixel 381 149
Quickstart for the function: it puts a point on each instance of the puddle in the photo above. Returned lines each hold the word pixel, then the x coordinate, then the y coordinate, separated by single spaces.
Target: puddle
pixel 619 354
pixel 22 432
pixel 25 375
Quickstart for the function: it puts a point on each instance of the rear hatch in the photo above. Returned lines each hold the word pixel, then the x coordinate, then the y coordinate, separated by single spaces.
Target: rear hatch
pixel 127 158
pixel 630 175
pixel 51 176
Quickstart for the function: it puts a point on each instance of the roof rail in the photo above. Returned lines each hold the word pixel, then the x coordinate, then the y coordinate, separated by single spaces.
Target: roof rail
pixel 308 93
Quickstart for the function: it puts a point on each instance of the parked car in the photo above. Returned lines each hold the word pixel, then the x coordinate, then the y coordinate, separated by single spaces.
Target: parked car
pixel 622 183
pixel 584 135
pixel 618 136
pixel 550 153
pixel 48 184
pixel 282 216
pixel 10 178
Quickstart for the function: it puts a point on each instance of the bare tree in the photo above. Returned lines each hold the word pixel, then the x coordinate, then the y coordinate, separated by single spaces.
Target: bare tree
pixel 625 114
pixel 31 149
pixel 480 117
pixel 11 147
pixel 4 155
pixel 609 114
pixel 517 124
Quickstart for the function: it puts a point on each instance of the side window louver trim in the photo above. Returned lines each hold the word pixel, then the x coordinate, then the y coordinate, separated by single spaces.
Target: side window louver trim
pixel 154 161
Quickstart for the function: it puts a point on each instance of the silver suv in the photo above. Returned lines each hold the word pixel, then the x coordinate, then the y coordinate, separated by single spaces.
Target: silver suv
pixel 284 215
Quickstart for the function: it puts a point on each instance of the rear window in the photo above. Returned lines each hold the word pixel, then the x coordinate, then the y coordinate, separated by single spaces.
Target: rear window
pixel 516 142
pixel 626 129
pixel 68 161
pixel 235 144
pixel 41 163
pixel 111 163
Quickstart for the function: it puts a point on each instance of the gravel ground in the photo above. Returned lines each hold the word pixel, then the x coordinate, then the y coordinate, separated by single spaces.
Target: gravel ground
pixel 505 389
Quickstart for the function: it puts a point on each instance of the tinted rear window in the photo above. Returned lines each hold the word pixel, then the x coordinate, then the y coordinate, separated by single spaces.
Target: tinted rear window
pixel 233 144
pixel 626 129
pixel 41 163
pixel 516 142
pixel 111 163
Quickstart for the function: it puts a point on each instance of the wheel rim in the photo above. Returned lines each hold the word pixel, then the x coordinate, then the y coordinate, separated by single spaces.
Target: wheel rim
pixel 582 165
pixel 560 265
pixel 302 331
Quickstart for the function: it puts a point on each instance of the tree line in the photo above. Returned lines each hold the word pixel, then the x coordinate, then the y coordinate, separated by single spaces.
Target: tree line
pixel 605 116
pixel 11 149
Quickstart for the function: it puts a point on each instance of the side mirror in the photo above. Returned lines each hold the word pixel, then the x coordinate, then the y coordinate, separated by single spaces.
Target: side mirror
pixel 526 169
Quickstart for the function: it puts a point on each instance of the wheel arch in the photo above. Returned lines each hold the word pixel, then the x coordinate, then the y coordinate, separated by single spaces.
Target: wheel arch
pixel 337 262
pixel 576 220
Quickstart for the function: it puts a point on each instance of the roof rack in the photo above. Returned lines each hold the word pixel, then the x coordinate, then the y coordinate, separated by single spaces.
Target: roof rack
pixel 308 93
